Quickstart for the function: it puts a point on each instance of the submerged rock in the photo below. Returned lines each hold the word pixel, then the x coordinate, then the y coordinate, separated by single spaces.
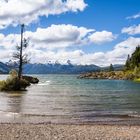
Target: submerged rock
pixel 30 79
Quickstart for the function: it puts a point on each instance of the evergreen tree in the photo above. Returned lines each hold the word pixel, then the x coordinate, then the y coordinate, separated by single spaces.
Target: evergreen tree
pixel 134 60
pixel 20 57
pixel 127 64
pixel 111 68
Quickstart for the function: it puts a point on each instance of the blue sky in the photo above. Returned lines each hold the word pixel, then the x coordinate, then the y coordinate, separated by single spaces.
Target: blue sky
pixel 84 31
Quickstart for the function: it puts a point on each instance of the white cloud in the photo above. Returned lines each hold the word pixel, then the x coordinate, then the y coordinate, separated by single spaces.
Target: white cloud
pixel 14 12
pixel 120 52
pixel 102 37
pixel 116 56
pixel 45 41
pixel 55 36
pixel 59 36
pixel 76 57
pixel 9 42
pixel 134 16
pixel 132 30
pixel 75 5
pixel 40 56
pixel 5 55
pixel 1 37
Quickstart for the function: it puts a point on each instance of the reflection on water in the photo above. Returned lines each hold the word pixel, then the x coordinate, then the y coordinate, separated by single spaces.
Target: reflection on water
pixel 64 98
pixel 10 105
pixel 14 102
pixel 11 102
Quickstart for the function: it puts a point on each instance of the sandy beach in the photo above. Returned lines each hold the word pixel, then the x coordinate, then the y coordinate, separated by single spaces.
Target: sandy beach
pixel 68 132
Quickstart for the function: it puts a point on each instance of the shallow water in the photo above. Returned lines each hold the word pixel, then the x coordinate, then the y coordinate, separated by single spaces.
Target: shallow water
pixel 66 99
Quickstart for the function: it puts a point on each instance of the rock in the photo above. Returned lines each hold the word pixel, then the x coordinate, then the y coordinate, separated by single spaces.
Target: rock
pixel 30 79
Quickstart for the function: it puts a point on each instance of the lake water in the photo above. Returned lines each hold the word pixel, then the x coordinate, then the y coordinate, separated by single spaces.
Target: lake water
pixel 66 99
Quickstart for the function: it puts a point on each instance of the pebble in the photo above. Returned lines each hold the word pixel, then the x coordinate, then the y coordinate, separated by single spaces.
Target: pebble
pixel 68 132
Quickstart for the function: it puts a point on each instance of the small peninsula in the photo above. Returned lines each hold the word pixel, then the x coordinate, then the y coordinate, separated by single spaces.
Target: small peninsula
pixel 131 70
pixel 116 75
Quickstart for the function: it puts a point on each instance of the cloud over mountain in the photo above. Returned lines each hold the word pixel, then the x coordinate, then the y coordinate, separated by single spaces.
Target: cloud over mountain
pixel 117 55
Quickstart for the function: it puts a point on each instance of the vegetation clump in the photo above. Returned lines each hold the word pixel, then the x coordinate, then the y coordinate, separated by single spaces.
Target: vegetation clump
pixel 133 61
pixel 13 83
pixel 111 68
pixel 137 80
pixel 132 64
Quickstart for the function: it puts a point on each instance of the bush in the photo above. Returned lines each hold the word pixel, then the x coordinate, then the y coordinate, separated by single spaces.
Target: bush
pixel 137 80
pixel 13 83
pixel 137 72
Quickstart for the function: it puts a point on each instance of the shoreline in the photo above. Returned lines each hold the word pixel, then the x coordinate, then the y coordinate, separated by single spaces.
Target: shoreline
pixel 94 119
pixel 110 75
pixel 68 132
pixel 72 124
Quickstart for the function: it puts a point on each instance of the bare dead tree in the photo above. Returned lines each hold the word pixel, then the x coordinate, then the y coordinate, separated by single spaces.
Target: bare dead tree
pixel 19 56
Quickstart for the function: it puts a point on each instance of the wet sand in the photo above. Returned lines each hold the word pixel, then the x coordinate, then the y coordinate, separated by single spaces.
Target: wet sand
pixel 68 132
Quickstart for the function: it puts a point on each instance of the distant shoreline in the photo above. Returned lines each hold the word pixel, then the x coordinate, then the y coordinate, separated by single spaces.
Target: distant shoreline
pixel 111 75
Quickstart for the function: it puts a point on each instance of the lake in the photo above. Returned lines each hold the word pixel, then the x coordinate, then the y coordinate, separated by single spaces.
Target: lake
pixel 66 99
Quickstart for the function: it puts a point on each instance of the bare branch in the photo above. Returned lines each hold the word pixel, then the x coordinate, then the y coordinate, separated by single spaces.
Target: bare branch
pixel 16 55
pixel 25 43
pixel 25 59
pixel 18 48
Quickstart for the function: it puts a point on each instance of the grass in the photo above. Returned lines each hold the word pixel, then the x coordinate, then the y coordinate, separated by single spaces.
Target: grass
pixel 137 80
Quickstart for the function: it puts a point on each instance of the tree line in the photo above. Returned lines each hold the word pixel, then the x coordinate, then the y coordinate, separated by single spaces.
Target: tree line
pixel 133 61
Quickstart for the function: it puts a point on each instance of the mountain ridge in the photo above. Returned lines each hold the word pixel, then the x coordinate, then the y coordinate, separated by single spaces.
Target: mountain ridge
pixel 39 68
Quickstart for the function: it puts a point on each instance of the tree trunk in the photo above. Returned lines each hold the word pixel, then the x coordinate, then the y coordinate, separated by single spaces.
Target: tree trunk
pixel 21 47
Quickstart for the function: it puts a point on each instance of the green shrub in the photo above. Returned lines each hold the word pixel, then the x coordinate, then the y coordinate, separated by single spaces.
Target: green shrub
pixel 137 80
pixel 137 72
pixel 13 83
pixel 13 73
